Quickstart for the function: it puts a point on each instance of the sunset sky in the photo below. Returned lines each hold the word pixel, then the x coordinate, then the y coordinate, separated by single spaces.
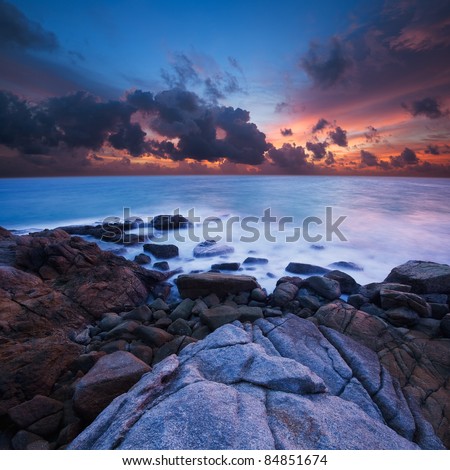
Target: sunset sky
pixel 104 87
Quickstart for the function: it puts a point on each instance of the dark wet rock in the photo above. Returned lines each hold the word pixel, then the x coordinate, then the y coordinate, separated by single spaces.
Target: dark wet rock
pixel 162 265
pixel 372 309
pixel 140 314
pixel 278 384
pixel 346 265
pixel 35 410
pixel 211 300
pixel 226 266
pixel 250 314
pixel 183 310
pixel 391 299
pixel 439 311
pixel 180 327
pixel 317 247
pixel 153 336
pixel 303 268
pixel 159 304
pixel 173 347
pixel 429 326
pixel 111 376
pixel 309 301
pixel 425 277
pixel 161 251
pixel 220 315
pixel 372 291
pixel 357 300
pixel 272 312
pixel 435 298
pixel 201 332
pixel 115 345
pixel 445 326
pixel 284 293
pixel 125 330
pixel 142 352
pixel 142 258
pixel 258 294
pixel 199 307
pixel 211 248
pixel 327 288
pixel 402 316
pixel 170 222
pixel 163 323
pixel 23 439
pixel 346 282
pixel 242 298
pixel 201 285
pixel 109 321
pixel 253 260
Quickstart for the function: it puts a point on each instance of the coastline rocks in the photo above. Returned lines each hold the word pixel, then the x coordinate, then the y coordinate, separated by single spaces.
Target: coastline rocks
pixel 445 326
pixel 111 376
pixel 347 284
pixel 303 268
pixel 211 248
pixel 226 266
pixel 346 265
pixel 253 260
pixel 270 385
pixel 169 222
pixel 142 258
pixel 425 277
pixel 391 299
pixel 327 288
pixel 201 285
pixel 215 317
pixel 161 251
pixel 284 293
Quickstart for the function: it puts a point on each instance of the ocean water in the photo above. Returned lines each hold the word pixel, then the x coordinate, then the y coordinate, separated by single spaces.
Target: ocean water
pixel 384 221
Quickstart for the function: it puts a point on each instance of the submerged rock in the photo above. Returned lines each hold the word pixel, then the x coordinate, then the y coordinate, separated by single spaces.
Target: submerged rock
pixel 210 248
pixel 279 384
pixel 304 268
pixel 170 222
pixel 161 251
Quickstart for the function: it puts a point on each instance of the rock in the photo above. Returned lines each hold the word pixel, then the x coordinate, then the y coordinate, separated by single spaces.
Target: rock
pixel 41 444
pixel 226 266
pixel 392 299
pixel 250 314
pixel 125 330
pixel 142 352
pixel 303 268
pixel 153 336
pixel 258 294
pixel 161 251
pixel 327 288
pixel 162 265
pixel 211 248
pixel 309 301
pixel 163 323
pixel 169 222
pixel 200 285
pixel 445 326
pixel 159 304
pixel 211 300
pixel 425 277
pixel 110 321
pixel 85 362
pixel 284 293
pixel 357 300
pixel 173 347
pixel 34 410
pixel 272 312
pixel 373 309
pixel 199 307
pixel 111 376
pixel 372 291
pixel 254 388
pixel 242 298
pixel 23 439
pixel 346 282
pixel 435 298
pixel 220 315
pixel 402 316
pixel 113 346
pixel 180 327
pixel 439 311
pixel 142 258
pixel 183 310
pixel 201 332
pixel 252 260
pixel 429 326
pixel 346 265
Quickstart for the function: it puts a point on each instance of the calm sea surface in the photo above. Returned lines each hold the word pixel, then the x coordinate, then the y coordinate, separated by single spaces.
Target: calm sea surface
pixel 387 220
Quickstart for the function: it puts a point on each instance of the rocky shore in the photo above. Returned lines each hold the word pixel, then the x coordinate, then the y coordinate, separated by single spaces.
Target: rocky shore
pixel 98 352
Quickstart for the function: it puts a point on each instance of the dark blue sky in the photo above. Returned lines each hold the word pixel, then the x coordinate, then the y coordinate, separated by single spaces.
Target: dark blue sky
pixel 375 72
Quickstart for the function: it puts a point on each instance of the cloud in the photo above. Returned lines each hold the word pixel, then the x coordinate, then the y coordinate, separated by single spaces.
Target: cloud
pixel 428 107
pixel 330 160
pixel 286 132
pixel 290 158
pixel 326 66
pixel 432 150
pixel 372 135
pixel 318 149
pixel 339 137
pixel 16 30
pixel 320 125
pixel 406 158
pixel 368 159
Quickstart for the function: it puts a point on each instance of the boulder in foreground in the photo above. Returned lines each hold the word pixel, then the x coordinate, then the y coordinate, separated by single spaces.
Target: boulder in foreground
pixel 200 285
pixel 280 383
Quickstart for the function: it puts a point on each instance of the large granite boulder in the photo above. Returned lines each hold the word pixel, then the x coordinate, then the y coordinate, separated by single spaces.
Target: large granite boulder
pixel 203 284
pixel 425 277
pixel 280 383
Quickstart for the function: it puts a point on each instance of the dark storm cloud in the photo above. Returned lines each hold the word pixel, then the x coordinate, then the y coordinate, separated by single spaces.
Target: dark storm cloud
pixel 286 132
pixel 339 137
pixel 368 159
pixel 318 149
pixel 406 158
pixel 330 158
pixel 432 150
pixel 326 66
pixel 372 135
pixel 82 121
pixel 320 125
pixel 289 157
pixel 428 107
pixel 17 30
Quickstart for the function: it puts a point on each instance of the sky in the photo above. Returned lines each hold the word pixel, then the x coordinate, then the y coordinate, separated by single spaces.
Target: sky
pixel 110 87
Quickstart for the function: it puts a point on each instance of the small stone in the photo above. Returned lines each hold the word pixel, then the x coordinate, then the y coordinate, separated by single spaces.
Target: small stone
pixel 402 316
pixel 211 300
pixel 258 294
pixel 303 268
pixel 161 265
pixel 357 300
pixel 142 352
pixel 201 333
pixel 310 302
pixel 180 327
pixel 183 310
pixel 346 265
pixel 272 312
pixel 109 321
pixel 163 323
pixel 33 410
pixel 438 311
pixel 159 314
pixel 123 331
pixel 174 347
pixel 250 314
pixel 226 266
pixel 142 258
pixel 142 314
pixel 161 251
pixel 159 304
pixel 23 439
pixel 153 336
pixel 284 293
pixel 445 326
pixel 242 298
pixel 113 346
pixel 220 315
pixel 199 307
pixel 327 288
pixel 211 248
pixel 252 260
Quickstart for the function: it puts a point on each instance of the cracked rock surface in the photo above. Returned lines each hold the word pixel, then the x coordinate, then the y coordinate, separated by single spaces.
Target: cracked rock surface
pixel 279 383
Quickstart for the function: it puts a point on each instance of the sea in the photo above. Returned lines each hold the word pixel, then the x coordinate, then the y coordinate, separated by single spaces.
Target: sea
pixel 376 223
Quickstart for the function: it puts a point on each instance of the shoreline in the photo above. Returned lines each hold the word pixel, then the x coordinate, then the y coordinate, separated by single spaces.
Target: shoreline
pixel 83 308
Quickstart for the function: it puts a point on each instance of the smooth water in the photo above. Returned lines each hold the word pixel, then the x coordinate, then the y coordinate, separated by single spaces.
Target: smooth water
pixel 388 220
